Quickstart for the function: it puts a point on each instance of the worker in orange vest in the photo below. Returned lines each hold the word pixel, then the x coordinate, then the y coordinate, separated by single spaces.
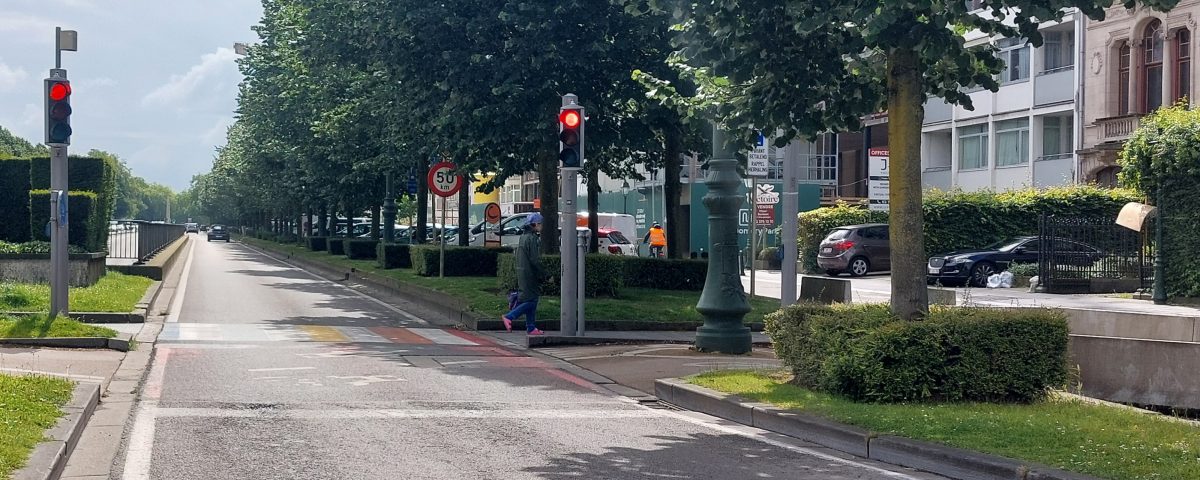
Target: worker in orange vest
pixel 657 239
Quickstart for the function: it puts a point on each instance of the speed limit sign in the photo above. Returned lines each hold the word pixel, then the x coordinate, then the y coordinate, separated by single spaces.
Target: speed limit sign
pixel 442 180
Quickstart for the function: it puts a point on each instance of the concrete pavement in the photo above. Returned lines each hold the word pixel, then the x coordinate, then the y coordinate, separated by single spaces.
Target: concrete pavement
pixel 267 372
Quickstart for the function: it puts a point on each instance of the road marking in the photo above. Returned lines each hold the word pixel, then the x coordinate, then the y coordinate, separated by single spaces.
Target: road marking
pixel 464 362
pixel 440 337
pixel 364 380
pixel 140 448
pixel 400 335
pixel 322 333
pixel 307 414
pixel 281 369
pixel 177 302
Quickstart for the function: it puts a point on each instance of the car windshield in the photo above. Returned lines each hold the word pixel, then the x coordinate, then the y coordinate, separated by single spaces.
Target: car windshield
pixel 838 234
pixel 617 238
pixel 218 227
pixel 1007 245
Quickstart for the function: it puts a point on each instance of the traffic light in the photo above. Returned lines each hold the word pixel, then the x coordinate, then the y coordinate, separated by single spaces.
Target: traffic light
pixel 58 112
pixel 570 136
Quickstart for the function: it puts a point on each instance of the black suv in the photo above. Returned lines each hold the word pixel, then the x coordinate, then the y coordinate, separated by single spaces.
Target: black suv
pixel 218 232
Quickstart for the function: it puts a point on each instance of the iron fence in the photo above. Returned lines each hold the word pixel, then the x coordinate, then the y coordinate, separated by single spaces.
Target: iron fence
pixel 1093 255
pixel 139 240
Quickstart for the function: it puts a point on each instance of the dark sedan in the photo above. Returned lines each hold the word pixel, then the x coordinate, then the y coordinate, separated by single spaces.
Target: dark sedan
pixel 973 267
pixel 218 232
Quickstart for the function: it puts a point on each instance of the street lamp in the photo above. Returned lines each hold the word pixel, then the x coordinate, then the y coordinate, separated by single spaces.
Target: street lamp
pixel 625 193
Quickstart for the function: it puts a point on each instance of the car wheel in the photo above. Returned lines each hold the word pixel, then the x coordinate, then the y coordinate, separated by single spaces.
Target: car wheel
pixel 859 266
pixel 980 273
pixel 833 273
pixel 226 240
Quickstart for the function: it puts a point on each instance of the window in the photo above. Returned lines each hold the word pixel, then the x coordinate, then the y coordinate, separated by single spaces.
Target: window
pixel 1152 58
pixel 1123 80
pixel 1012 142
pixel 1015 54
pixel 1183 63
pixel 1058 51
pixel 1057 136
pixel 972 147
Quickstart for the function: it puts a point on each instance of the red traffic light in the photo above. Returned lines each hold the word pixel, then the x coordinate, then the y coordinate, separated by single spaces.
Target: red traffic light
pixel 569 118
pixel 59 90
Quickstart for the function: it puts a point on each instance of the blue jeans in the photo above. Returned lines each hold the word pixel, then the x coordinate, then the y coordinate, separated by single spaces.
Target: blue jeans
pixel 529 309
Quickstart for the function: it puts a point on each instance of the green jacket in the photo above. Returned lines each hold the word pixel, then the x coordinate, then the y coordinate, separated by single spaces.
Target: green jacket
pixel 529 267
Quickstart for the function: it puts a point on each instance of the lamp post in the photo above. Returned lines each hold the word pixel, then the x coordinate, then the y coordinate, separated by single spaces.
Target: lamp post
pixel 1160 289
pixel 625 193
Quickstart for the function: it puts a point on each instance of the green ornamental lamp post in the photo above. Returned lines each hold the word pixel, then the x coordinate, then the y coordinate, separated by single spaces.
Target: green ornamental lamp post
pixel 723 302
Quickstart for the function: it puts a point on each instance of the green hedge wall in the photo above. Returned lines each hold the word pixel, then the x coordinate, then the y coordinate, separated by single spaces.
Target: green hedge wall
pixel 955 354
pixel 318 244
pixel 958 220
pixel 393 255
pixel 82 223
pixel 460 261
pixel 14 200
pixel 84 174
pixel 337 246
pixel 359 249
pixel 663 273
pixel 605 274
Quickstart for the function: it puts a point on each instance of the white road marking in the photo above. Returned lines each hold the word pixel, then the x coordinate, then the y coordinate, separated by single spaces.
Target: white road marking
pixel 464 362
pixel 141 438
pixel 308 414
pixel 280 369
pixel 364 380
pixel 177 302
pixel 440 337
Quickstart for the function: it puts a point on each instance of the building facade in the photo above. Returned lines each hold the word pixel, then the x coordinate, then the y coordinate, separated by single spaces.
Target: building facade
pixel 1137 61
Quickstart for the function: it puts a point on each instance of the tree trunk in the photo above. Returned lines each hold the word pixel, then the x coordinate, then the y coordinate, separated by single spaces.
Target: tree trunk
pixel 673 152
pixel 376 212
pixel 422 207
pixel 323 221
pixel 593 208
pixel 464 213
pixel 548 193
pixel 910 295
pixel 308 219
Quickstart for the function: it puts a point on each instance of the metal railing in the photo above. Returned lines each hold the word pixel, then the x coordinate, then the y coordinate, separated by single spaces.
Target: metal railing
pixel 1076 252
pixel 139 240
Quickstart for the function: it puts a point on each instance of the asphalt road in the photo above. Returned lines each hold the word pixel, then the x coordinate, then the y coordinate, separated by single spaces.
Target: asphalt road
pixel 264 371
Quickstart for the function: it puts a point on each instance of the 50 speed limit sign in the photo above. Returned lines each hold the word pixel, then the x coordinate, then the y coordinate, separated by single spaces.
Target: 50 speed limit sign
pixel 442 180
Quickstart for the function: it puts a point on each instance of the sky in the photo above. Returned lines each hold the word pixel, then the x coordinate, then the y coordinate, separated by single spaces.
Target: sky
pixel 154 81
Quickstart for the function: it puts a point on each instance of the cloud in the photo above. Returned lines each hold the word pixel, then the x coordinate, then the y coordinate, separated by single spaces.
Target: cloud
pixel 94 83
pixel 183 87
pixel 216 135
pixel 17 25
pixel 11 77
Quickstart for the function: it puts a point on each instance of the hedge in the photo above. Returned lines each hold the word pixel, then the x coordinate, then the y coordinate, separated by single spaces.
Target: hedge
pixel 663 273
pixel 958 220
pixel 460 261
pixel 35 248
pixel 81 214
pixel 337 246
pixel 360 249
pixel 318 244
pixel 605 274
pixel 14 200
pixel 393 255
pixel 84 174
pixel 955 354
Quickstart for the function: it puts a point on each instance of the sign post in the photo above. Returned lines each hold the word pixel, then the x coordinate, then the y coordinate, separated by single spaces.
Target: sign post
pixel 491 216
pixel 878 183
pixel 757 165
pixel 444 183
pixel 765 199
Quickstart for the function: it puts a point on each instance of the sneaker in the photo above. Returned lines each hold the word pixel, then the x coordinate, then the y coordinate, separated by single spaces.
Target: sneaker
pixel 507 323
pixel 536 332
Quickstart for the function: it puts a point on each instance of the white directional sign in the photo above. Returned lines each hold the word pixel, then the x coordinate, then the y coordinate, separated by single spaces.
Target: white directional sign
pixel 878 181
pixel 758 160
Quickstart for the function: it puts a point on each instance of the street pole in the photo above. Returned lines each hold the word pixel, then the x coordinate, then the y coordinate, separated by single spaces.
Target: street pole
pixel 753 231
pixel 59 268
pixel 442 259
pixel 1160 289
pixel 791 208
pixel 566 251
pixel 723 301
pixel 581 287
pixel 389 211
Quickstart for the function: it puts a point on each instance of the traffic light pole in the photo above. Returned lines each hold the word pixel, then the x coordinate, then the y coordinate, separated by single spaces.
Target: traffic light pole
pixel 59 268
pixel 568 319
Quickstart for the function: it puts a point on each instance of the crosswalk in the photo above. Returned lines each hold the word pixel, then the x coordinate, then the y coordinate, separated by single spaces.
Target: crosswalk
pixel 231 332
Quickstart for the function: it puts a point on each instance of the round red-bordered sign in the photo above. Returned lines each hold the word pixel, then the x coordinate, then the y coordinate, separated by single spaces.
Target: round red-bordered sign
pixel 491 213
pixel 442 180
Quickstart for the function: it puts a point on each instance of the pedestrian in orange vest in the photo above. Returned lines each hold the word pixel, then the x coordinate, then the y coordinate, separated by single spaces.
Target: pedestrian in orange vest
pixel 657 238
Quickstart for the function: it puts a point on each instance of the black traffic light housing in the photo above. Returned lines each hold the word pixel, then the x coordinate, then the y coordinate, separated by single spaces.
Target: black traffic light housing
pixel 570 137
pixel 58 112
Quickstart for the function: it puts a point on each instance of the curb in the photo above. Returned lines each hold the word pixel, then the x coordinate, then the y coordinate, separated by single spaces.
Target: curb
pixel 137 315
pixel 49 457
pixel 120 343
pixel 930 457
pixel 560 340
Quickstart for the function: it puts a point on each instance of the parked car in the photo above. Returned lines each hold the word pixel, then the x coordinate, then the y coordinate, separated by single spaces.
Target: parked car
pixel 973 267
pixel 855 249
pixel 191 228
pixel 218 232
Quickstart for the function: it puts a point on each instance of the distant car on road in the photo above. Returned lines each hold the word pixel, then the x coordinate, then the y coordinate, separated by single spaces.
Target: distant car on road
pixel 973 267
pixel 218 232
pixel 855 249
pixel 191 228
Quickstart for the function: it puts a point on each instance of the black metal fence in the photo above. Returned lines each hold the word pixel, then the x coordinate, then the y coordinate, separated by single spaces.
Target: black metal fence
pixel 1093 255
pixel 139 240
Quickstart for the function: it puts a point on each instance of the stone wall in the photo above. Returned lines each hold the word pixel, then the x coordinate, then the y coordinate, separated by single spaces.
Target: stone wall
pixel 86 268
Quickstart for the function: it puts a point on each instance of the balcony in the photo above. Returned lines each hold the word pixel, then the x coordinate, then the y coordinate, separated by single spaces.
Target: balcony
pixel 1055 86
pixel 1118 129
pixel 937 178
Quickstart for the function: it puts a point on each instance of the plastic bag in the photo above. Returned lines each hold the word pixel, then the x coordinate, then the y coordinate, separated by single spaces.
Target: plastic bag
pixel 993 281
pixel 1000 280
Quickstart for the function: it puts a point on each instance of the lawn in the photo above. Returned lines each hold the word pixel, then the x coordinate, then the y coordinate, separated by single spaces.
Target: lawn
pixel 28 406
pixel 113 293
pixel 1064 432
pixel 483 293
pixel 41 326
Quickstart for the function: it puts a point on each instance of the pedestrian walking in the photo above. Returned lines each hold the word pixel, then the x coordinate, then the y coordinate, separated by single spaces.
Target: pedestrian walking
pixel 529 277
pixel 657 238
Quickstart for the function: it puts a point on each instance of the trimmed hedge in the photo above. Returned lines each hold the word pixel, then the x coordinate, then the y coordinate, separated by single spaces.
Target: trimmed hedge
pixel 359 249
pixel 605 274
pixel 82 219
pixel 958 220
pixel 336 246
pixel 14 200
pixel 84 174
pixel 955 354
pixel 34 248
pixel 663 273
pixel 318 244
pixel 460 261
pixel 393 255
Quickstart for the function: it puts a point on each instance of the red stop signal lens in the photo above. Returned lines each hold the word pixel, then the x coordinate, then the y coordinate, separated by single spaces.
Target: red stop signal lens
pixel 569 118
pixel 59 91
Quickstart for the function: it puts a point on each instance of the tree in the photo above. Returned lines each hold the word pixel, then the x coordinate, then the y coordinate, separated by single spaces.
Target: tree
pixel 802 68
pixel 12 146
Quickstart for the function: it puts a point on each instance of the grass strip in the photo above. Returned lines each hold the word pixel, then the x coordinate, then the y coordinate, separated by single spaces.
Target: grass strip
pixel 483 295
pixel 1063 432
pixel 114 292
pixel 41 326
pixel 28 406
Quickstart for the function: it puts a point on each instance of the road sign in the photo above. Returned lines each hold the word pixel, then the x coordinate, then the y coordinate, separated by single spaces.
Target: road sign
pixel 491 213
pixel 764 215
pixel 766 194
pixel 442 180
pixel 878 180
pixel 758 160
